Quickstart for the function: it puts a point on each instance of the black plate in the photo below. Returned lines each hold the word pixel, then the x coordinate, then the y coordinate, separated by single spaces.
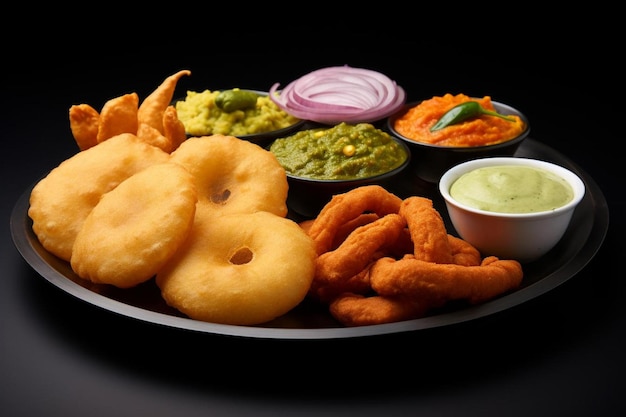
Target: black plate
pixel 312 321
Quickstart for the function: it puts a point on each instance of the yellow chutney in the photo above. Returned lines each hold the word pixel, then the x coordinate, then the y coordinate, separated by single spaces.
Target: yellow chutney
pixel 201 115
pixel 512 189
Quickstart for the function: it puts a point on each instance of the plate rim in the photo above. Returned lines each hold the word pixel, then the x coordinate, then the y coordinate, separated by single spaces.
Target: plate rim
pixel 20 232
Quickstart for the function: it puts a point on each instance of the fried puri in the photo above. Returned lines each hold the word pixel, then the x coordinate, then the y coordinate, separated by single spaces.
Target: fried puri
pixel 135 228
pixel 234 175
pixel 239 269
pixel 60 202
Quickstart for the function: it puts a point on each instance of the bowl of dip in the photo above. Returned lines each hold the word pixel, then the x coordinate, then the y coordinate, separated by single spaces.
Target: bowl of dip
pixel 509 207
pixel 246 114
pixel 472 135
pixel 323 161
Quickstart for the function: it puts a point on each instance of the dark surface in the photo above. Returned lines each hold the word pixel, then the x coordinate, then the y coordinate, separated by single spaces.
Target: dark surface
pixel 560 354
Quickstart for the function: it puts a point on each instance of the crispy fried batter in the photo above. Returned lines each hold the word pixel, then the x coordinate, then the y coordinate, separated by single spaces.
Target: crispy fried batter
pixel 427 229
pixel 428 281
pixel 358 249
pixel 335 268
pixel 173 128
pixel 155 121
pixel 345 207
pixel 84 125
pixel 463 252
pixel 359 310
pixel 153 137
pixel 153 106
pixel 373 269
pixel 118 115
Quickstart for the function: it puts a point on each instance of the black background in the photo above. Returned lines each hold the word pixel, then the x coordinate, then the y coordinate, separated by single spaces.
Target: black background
pixel 559 354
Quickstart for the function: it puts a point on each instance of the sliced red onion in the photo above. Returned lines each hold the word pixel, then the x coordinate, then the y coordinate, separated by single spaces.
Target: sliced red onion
pixel 340 94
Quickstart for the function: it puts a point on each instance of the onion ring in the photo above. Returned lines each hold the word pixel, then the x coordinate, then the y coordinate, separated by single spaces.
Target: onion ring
pixel 433 282
pixel 355 254
pixel 340 94
pixel 345 207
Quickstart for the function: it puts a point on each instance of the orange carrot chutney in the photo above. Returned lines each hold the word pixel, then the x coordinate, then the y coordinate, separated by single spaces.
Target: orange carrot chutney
pixel 482 130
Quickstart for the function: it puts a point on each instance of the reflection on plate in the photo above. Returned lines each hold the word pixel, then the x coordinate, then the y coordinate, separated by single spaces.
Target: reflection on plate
pixel 312 321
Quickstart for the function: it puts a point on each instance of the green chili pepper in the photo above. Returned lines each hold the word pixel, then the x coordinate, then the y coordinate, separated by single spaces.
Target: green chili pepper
pixel 465 111
pixel 236 99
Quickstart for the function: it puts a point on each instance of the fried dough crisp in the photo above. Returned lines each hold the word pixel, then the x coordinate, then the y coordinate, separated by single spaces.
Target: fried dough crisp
pixel 153 137
pixel 463 253
pixel 173 128
pixel 153 106
pixel 155 121
pixel 118 115
pixel 136 227
pixel 84 125
pixel 60 202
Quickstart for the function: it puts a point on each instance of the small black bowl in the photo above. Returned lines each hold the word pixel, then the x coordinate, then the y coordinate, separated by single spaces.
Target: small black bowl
pixel 307 196
pixel 429 162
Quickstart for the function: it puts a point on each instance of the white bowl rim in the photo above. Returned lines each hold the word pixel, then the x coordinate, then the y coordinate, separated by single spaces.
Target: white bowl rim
pixel 456 171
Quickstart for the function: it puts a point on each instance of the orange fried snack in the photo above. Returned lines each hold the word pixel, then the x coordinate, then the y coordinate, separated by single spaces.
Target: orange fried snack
pixel 84 125
pixel 382 259
pixel 346 228
pixel 155 121
pixel 436 283
pixel 335 268
pixel 359 310
pixel 153 106
pixel 173 128
pixel 118 115
pixel 153 137
pixel 427 230
pixel 463 253
pixel 345 207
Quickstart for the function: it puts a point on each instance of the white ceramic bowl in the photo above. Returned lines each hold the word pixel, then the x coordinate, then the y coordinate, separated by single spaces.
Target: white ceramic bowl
pixel 521 236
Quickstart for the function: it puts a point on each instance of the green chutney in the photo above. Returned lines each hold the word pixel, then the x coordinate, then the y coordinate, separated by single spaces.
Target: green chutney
pixel 342 152
pixel 512 189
